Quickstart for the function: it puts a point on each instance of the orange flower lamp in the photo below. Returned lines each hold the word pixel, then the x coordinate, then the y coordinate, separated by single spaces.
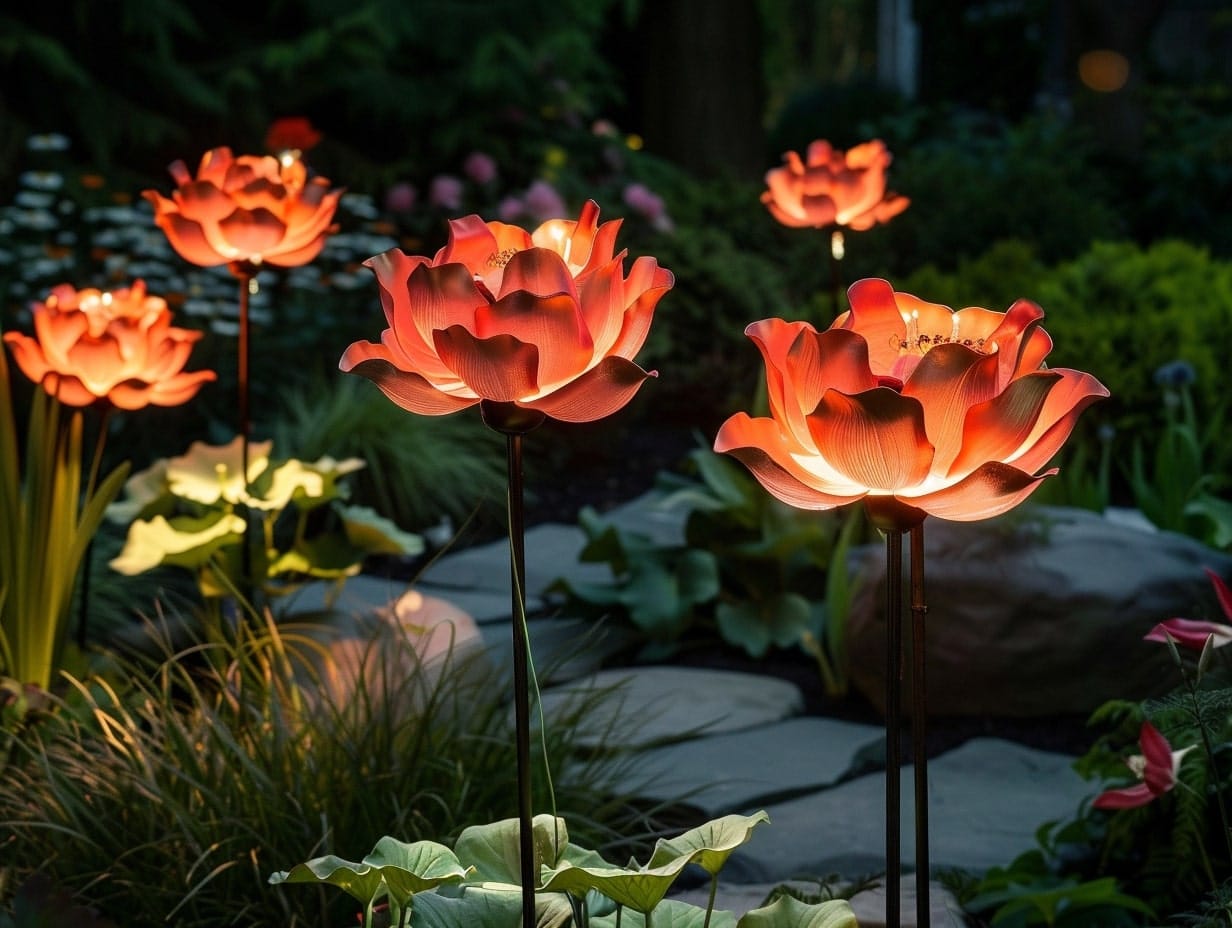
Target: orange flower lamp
pixel 527 326
pixel 245 212
pixel 830 187
pixel 915 410
pixel 117 346
pixel 113 349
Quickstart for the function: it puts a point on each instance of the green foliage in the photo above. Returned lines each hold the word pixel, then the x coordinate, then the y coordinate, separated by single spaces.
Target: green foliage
pixel 280 521
pixel 47 518
pixel 420 468
pixel 479 880
pixel 1175 493
pixel 974 181
pixel 170 797
pixel 1122 312
pixel 521 75
pixel 1186 167
pixel 752 569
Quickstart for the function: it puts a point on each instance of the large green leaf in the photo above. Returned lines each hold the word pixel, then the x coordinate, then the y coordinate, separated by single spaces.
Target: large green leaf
pixel 670 913
pixel 493 850
pixel 639 889
pixel 788 912
pixel 755 624
pixel 488 907
pixel 404 869
pixel 708 845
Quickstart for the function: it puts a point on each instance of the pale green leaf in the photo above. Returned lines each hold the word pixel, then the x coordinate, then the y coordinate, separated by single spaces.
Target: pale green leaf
pixel 708 845
pixel 787 912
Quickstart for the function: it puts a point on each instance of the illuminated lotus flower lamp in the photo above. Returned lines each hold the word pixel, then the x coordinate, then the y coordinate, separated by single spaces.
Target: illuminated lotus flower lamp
pixel 526 326
pixel 915 410
pixel 246 212
pixel 111 349
pixel 830 187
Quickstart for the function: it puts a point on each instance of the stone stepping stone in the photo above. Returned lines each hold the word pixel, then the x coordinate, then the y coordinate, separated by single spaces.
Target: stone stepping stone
pixel 552 551
pixel 646 706
pixel 563 649
pixel 987 798
pixel 748 769
pixel 361 595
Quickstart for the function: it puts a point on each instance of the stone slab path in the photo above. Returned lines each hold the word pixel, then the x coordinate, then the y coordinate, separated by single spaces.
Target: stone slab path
pixel 722 741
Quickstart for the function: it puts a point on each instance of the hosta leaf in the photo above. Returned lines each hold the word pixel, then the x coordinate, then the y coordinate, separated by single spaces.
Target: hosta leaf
pixel 404 869
pixel 638 889
pixel 708 845
pixel 780 620
pixel 494 849
pixel 787 912
pixel 670 913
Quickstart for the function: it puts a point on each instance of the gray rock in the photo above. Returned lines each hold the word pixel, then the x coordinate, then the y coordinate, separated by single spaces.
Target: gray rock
pixel 987 798
pixel 1039 612
pixel 729 772
pixel 551 551
pixel 653 705
pixel 563 649
pixel 487 607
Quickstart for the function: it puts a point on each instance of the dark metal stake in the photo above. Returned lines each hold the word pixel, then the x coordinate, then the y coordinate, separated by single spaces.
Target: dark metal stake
pixel 249 587
pixel 919 725
pixel 893 698
pixel 521 679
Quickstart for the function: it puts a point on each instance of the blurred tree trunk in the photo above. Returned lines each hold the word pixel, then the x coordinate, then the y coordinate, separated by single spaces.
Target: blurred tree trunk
pixel 702 88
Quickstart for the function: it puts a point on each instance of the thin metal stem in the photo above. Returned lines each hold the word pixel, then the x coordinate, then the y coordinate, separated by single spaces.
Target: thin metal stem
pixel 919 723
pixel 521 663
pixel 248 582
pixel 893 697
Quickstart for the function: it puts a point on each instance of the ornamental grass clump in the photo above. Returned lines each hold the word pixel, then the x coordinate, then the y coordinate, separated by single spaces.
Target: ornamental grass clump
pixel 167 792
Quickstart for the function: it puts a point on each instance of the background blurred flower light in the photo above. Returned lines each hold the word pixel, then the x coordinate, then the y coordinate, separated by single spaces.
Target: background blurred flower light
pixel 1103 70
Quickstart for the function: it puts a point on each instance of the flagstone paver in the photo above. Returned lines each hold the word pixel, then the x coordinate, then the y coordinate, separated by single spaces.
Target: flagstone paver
pixel 551 551
pixel 662 704
pixel 745 769
pixel 725 741
pixel 987 798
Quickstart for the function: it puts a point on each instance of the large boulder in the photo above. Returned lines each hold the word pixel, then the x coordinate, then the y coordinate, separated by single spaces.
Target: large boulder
pixel 1039 612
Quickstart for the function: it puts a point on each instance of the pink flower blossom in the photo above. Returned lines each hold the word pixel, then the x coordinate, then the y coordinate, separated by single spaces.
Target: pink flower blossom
pixel 1157 767
pixel 400 198
pixel 642 200
pixel 510 209
pixel 542 202
pixel 445 192
pixel 1193 633
pixel 480 168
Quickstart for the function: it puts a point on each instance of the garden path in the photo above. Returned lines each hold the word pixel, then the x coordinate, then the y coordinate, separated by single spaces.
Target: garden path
pixel 724 741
